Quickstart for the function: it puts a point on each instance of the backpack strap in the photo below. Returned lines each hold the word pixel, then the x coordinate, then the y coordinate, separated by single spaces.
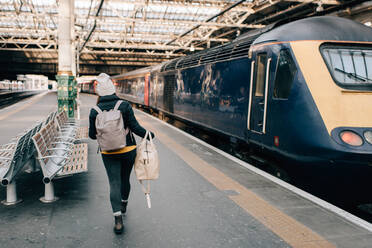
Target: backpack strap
pixel 97 109
pixel 117 105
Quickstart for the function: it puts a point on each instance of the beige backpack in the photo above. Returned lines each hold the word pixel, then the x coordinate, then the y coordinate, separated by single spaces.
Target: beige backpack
pixel 146 165
pixel 111 134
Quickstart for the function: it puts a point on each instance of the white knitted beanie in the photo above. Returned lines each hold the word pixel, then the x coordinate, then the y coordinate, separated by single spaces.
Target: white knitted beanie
pixel 104 86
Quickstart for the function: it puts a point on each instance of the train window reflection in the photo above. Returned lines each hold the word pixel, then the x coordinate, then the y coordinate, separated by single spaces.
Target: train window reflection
pixel 260 75
pixel 350 67
pixel 284 75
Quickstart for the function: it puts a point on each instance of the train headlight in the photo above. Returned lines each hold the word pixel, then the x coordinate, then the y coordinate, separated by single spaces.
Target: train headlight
pixel 351 138
pixel 368 136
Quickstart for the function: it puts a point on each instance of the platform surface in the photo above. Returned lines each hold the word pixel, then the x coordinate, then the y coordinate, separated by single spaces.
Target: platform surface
pixel 202 199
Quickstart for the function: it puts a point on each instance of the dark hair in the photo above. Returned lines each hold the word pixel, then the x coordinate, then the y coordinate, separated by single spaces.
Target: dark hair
pixel 98 98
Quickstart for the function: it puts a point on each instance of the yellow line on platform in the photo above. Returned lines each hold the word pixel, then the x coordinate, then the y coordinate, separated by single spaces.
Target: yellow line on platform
pixel 287 228
pixel 23 106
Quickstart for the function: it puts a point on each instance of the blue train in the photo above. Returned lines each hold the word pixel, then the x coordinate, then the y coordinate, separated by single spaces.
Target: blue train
pixel 299 92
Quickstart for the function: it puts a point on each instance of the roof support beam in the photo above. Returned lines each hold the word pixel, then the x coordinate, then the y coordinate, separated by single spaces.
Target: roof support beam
pixel 93 28
pixel 208 20
pixel 326 2
pixel 135 29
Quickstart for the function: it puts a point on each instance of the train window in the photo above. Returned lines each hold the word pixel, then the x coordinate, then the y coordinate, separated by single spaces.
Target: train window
pixel 284 75
pixel 350 67
pixel 260 75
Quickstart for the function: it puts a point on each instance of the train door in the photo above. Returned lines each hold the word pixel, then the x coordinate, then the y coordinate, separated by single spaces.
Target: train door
pixel 154 90
pixel 168 92
pixel 257 106
pixel 147 89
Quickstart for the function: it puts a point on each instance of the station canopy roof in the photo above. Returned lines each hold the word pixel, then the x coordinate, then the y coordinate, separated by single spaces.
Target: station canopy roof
pixel 142 32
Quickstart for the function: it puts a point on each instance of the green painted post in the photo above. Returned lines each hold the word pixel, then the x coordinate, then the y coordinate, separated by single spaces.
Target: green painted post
pixel 66 93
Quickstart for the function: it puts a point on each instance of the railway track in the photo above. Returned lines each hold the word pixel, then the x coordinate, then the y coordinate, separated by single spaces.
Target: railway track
pixel 8 98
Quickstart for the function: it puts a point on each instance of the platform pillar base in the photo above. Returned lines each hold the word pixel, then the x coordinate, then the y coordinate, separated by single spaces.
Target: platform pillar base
pixel 11 195
pixel 49 196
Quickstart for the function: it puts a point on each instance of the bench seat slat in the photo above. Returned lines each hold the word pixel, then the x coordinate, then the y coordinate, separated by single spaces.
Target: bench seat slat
pixel 82 133
pixel 52 143
pixel 78 162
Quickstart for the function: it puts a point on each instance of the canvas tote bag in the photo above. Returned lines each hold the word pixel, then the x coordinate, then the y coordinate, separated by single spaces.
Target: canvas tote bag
pixel 146 165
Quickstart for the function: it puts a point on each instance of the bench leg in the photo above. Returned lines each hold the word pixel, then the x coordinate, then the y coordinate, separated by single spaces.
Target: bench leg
pixel 11 194
pixel 49 196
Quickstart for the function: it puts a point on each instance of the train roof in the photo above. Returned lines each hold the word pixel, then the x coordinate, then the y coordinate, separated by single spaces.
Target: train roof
pixel 318 28
pixel 312 28
pixel 139 71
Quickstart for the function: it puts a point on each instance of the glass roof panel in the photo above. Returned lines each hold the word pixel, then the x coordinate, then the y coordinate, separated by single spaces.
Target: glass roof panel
pixel 143 22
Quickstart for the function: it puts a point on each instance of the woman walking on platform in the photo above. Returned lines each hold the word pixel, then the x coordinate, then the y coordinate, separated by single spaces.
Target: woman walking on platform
pixel 119 162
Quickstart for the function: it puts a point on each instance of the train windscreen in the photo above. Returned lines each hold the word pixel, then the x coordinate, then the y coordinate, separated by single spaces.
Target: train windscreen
pixel 351 67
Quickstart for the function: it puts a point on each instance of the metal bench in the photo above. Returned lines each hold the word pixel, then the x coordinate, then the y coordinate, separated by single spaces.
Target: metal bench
pixel 65 124
pixel 21 151
pixel 58 156
pixel 30 150
pixel 9 158
pixel 50 117
pixel 13 157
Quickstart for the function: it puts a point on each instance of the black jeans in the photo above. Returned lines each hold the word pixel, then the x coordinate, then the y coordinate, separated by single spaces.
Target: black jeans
pixel 118 169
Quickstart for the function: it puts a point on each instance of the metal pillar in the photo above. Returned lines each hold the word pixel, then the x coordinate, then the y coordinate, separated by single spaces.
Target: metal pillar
pixel 66 58
pixel 49 196
pixel 73 39
pixel 11 194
